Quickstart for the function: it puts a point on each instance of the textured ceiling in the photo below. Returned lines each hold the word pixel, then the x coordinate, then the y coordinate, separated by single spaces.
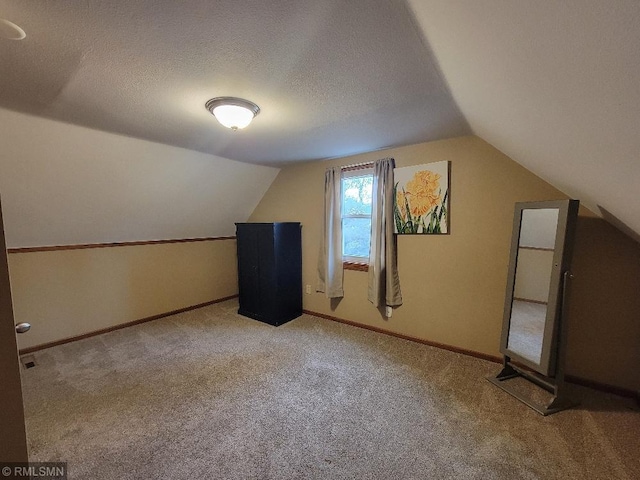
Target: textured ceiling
pixel 553 84
pixel 332 77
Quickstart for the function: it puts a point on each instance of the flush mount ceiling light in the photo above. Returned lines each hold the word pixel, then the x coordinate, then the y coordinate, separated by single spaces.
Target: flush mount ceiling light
pixel 233 113
pixel 10 30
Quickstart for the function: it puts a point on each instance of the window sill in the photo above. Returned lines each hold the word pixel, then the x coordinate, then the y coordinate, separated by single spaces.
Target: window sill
pixel 360 267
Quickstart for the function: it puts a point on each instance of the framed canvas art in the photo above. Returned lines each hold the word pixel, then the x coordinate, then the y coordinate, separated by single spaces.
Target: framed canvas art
pixel 421 195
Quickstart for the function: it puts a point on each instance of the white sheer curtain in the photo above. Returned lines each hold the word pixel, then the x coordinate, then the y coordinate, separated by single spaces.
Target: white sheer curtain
pixel 330 270
pixel 384 284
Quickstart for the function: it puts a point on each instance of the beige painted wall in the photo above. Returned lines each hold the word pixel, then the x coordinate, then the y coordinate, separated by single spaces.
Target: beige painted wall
pixel 604 311
pixel 71 292
pixel 454 285
pixel 63 184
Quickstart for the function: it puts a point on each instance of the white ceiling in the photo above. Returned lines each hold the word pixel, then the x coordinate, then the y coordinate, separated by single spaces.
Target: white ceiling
pixel 331 77
pixel 62 184
pixel 554 85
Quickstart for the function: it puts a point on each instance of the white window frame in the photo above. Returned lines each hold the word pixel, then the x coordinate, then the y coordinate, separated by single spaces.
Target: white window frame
pixel 350 172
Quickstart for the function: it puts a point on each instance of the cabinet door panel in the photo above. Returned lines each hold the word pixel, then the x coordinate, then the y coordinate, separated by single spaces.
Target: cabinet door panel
pixel 288 253
pixel 248 269
pixel 267 274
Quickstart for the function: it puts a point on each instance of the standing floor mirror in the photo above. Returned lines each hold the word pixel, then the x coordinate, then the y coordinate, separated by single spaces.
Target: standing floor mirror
pixel 534 330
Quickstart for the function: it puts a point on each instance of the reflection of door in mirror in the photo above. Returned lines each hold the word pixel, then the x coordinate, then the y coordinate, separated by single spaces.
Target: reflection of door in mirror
pixel 533 276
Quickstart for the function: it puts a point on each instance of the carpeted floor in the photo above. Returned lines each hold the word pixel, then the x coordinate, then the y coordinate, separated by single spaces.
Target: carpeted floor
pixel 213 395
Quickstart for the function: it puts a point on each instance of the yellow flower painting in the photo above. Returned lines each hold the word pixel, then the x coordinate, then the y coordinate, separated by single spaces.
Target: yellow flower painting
pixel 421 198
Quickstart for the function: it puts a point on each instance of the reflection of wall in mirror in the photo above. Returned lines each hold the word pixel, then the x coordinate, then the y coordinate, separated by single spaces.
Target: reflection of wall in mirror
pixel 533 275
pixel 538 227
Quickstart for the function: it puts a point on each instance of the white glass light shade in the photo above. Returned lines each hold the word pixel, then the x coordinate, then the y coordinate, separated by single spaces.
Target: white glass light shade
pixel 233 116
pixel 233 113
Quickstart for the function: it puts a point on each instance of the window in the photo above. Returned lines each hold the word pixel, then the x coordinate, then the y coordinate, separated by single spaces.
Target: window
pixel 357 186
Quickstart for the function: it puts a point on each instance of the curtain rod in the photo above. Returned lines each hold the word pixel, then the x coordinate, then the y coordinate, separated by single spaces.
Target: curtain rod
pixel 357 166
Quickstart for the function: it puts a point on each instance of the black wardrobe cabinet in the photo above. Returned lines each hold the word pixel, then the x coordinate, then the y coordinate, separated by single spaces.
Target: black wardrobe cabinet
pixel 270 271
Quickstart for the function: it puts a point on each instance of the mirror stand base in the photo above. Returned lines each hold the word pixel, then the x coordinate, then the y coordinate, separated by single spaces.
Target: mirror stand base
pixel 558 402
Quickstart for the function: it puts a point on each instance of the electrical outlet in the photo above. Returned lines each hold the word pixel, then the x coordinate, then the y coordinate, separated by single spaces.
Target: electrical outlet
pixel 307 289
pixel 388 311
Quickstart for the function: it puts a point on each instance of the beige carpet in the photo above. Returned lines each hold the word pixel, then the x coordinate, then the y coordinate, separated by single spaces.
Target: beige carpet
pixel 213 395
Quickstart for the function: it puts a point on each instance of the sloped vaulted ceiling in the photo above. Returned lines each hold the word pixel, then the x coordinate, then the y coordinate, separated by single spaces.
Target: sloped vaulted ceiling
pixel 332 77
pixel 553 84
